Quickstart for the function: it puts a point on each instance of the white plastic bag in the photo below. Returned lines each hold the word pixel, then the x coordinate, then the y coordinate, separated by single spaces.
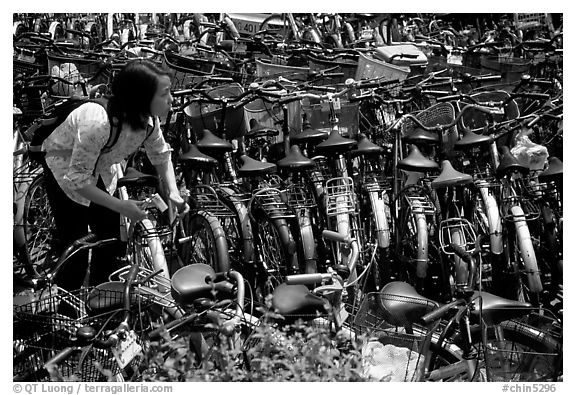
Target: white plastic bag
pixel 529 153
pixel 386 362
pixel 70 73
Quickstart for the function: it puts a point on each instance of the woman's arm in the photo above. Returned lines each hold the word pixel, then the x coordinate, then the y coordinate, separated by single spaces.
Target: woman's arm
pixel 129 208
pixel 166 173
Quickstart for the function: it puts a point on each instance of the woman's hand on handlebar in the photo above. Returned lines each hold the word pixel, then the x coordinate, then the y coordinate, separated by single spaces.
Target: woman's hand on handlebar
pixel 180 203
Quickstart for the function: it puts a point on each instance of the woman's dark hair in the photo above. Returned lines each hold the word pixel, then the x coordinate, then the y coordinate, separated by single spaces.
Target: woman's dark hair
pixel 132 91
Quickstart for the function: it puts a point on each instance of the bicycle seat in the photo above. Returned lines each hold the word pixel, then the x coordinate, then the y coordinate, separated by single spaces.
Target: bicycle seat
pixel 308 135
pixel 191 283
pixel 335 144
pixel 297 302
pixel 419 135
pixel 257 130
pixel 495 309
pixel 400 304
pixel 471 139
pixel 106 297
pixel 295 161
pixel 254 168
pixel 554 170
pixel 212 144
pixel 415 161
pixel 367 147
pixel 509 164
pixel 196 157
pixel 450 177
pixel 133 177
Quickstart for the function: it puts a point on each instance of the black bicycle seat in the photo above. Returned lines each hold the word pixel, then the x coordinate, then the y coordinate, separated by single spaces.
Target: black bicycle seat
pixel 297 302
pixel 193 155
pixel 415 161
pixel 213 145
pixel 133 177
pixel 254 168
pixel 451 177
pixel 401 304
pixel 335 144
pixel 366 147
pixel 295 160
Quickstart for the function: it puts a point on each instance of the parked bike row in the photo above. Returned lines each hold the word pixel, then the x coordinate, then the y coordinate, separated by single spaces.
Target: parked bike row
pixel 393 179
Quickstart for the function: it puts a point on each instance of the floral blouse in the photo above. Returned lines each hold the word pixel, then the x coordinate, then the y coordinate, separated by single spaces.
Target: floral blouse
pixel 73 150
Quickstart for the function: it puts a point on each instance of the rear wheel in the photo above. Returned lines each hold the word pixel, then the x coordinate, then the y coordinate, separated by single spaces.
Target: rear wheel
pixel 39 228
pixel 512 351
pixel 205 242
pixel 278 254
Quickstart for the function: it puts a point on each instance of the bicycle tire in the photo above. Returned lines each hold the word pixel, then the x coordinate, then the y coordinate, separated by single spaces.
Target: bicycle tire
pixel 540 348
pixel 278 253
pixel 308 242
pixel 460 266
pixel 244 224
pixel 212 247
pixel 39 227
pixel 526 249
pixel 148 249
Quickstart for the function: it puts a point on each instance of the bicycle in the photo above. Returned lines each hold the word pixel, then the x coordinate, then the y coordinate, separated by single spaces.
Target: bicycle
pixel 476 337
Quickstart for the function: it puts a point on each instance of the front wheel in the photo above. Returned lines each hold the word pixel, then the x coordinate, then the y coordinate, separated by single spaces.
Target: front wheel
pixel 510 351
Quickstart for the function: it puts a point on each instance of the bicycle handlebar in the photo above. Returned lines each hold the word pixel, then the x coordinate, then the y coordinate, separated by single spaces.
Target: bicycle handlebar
pixel 440 312
pixel 308 279
pixel 500 103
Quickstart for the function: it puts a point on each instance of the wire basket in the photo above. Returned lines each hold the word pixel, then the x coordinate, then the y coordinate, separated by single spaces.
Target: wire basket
pixel 518 194
pixel 376 182
pixel 340 196
pixel 476 120
pixel 392 334
pixel 274 70
pixel 300 196
pixel 76 68
pixel 511 68
pixel 346 66
pixel 321 171
pixel 204 197
pixel 45 326
pixel 267 114
pixel 347 113
pixel 523 21
pixel 208 115
pixel 270 201
pixel 370 68
pixel 94 365
pixel 509 361
pixel 461 226
pixel 419 203
pixel 186 71
pixel 438 114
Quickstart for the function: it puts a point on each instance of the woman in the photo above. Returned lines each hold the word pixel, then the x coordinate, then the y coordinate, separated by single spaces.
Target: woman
pixel 80 179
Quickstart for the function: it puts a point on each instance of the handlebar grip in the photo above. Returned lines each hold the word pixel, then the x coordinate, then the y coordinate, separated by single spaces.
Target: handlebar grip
pixel 305 279
pixel 439 312
pixel 172 324
pixel 536 96
pixel 461 252
pixel 487 78
pixel 132 273
pixel 434 93
pixel 105 344
pixel 78 32
pixel 335 236
pixel 89 238
pixel 61 356
pixel 448 98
